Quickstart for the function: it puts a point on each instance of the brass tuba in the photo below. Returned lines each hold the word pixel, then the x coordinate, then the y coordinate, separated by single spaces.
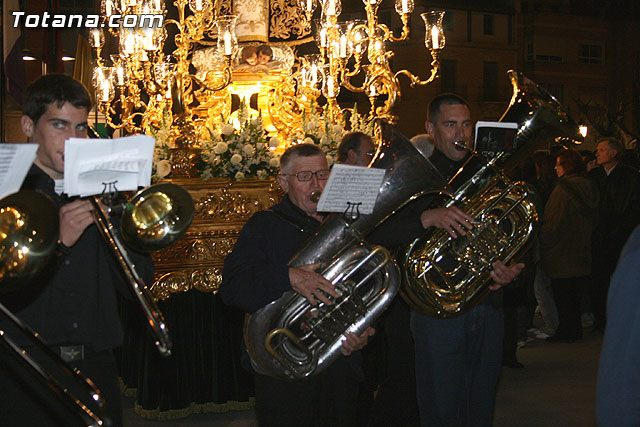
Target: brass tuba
pixel 290 338
pixel 445 277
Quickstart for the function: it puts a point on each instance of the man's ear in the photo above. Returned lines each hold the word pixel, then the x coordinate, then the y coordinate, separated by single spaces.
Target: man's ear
pixel 352 157
pixel 28 126
pixel 429 128
pixel 284 183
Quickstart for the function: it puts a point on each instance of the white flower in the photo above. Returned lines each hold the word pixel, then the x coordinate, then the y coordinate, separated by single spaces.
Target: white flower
pixel 274 142
pixel 259 146
pixel 262 174
pixel 227 129
pixel 337 128
pixel 236 159
pixel 324 140
pixel 162 135
pixel 221 147
pixel 248 149
pixel 239 176
pixel 275 162
pixel 308 140
pixel 163 168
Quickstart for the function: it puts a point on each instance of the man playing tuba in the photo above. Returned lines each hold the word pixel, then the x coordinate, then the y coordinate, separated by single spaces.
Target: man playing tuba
pixel 256 273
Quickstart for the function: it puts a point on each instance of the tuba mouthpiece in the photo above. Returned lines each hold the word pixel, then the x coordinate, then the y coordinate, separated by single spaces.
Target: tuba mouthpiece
pixel 315 196
pixel 460 145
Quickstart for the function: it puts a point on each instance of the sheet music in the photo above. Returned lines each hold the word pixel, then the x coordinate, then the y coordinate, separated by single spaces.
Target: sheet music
pixel 493 138
pixel 15 162
pixel 351 184
pixel 90 163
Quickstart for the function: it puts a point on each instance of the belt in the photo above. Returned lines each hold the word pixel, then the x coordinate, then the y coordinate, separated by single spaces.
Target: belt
pixel 73 353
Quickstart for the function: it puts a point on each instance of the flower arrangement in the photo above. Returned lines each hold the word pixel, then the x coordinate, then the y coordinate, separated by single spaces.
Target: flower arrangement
pixel 240 153
pixel 315 129
pixel 162 150
pixel 243 151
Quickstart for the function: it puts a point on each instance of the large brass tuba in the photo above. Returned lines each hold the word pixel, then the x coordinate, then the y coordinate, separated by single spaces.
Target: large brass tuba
pixel 445 277
pixel 290 338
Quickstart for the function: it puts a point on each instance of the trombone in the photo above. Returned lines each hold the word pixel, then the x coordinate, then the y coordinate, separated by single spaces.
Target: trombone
pixel 153 219
pixel 28 235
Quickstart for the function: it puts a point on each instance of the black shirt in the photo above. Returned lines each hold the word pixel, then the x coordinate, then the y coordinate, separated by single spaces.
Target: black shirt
pixel 73 301
pixel 257 272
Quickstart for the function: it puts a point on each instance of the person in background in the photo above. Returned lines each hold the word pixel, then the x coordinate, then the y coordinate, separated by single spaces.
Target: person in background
pixel 356 148
pixel 565 241
pixel 618 214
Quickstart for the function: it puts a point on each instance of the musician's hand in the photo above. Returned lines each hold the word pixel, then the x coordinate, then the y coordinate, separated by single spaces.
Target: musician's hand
pixel 309 284
pixel 356 342
pixel 75 217
pixel 502 275
pixel 452 219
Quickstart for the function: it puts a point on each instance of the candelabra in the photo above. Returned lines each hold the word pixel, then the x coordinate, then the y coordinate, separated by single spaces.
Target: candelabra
pixel 140 87
pixel 365 42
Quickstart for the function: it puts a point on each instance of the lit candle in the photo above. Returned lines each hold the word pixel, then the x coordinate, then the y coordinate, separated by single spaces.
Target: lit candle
pixel 434 37
pixel 314 77
pixel 405 6
pixel 104 89
pixel 343 46
pixel 96 37
pixel 331 8
pixel 108 8
pixel 198 4
pixel 120 75
pixel 309 5
pixel 157 5
pixel 227 43
pixel 323 37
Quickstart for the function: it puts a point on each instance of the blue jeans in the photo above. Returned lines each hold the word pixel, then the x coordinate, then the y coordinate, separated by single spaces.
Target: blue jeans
pixel 458 362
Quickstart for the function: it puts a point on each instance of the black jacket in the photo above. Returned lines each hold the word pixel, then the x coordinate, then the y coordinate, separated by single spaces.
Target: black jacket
pixel 256 271
pixel 73 301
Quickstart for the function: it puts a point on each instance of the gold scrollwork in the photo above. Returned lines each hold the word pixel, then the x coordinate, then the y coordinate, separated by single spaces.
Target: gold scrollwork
pixel 201 279
pixel 227 205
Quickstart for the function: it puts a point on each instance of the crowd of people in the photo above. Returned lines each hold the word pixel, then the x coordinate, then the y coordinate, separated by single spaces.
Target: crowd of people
pixel 409 368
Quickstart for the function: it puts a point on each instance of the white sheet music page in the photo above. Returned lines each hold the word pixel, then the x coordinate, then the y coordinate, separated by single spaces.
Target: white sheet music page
pixel 15 162
pixel 91 165
pixel 351 184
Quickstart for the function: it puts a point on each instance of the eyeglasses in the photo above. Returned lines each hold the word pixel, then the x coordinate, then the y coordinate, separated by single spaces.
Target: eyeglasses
pixel 304 176
pixel 370 154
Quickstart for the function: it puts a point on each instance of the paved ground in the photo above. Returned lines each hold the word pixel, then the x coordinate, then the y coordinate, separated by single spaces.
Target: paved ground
pixel 555 388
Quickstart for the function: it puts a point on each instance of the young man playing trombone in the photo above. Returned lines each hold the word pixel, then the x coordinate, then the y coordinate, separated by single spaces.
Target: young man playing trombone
pixel 72 303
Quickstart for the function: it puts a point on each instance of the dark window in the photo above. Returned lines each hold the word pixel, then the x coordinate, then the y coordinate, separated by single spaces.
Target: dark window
pixel 529 51
pixel 448 70
pixel 490 80
pixel 590 54
pixel 488 25
pixel 447 21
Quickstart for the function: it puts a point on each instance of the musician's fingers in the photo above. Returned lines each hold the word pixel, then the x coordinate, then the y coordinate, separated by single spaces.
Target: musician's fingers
pixel 462 217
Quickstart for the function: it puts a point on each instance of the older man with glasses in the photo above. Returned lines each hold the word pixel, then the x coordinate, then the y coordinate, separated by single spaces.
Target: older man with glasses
pixel 257 273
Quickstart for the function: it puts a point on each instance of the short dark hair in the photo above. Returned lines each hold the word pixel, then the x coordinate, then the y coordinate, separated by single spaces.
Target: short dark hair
pixel 350 141
pixel 58 88
pixel 614 144
pixel 433 112
pixel 571 162
pixel 299 150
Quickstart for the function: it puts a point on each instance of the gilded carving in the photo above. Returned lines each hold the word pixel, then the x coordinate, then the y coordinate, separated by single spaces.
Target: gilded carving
pixel 287 21
pixel 201 279
pixel 227 205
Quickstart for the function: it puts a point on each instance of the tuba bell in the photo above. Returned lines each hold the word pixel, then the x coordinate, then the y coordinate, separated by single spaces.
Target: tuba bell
pixel 290 338
pixel 443 276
